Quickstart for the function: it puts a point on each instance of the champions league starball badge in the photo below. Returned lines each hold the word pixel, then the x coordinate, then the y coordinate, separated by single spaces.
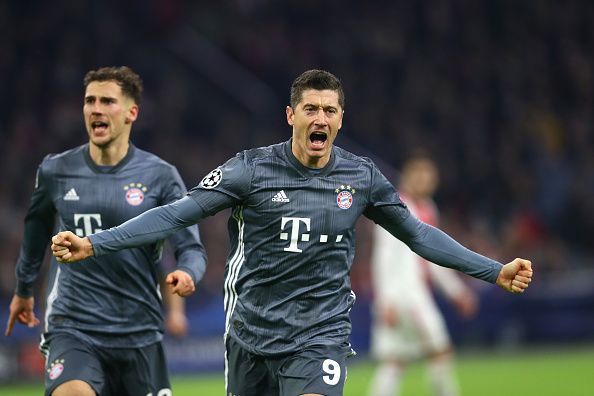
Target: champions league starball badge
pixel 344 199
pixel 213 179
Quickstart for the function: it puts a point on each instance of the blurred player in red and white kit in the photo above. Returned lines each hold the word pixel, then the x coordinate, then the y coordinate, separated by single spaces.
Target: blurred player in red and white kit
pixel 407 324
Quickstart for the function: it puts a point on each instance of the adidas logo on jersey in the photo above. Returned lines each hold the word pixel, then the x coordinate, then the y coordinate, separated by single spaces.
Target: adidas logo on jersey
pixel 71 195
pixel 280 197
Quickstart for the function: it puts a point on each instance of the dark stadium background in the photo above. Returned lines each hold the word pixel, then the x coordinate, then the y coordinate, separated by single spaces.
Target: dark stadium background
pixel 501 92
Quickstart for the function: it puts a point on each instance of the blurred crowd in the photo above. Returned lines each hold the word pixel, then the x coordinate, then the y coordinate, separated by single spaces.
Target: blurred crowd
pixel 500 92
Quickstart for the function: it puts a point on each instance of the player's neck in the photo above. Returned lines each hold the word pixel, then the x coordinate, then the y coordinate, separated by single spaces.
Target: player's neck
pixel 108 155
pixel 310 161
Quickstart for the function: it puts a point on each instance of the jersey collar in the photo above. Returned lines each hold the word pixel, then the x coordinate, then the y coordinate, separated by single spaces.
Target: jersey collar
pixel 304 170
pixel 114 169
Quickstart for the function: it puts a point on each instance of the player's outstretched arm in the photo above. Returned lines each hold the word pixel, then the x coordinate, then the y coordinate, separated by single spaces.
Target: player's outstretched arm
pixel 21 310
pixel 515 276
pixel 181 283
pixel 69 248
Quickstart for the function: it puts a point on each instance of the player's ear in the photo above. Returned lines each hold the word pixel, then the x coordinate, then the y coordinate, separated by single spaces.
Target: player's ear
pixel 132 113
pixel 290 115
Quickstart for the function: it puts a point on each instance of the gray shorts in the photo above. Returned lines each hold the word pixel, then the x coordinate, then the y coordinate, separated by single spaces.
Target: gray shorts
pixel 109 371
pixel 316 369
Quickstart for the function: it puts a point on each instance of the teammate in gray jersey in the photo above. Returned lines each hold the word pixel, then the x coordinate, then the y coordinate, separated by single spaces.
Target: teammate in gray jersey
pixel 104 322
pixel 294 209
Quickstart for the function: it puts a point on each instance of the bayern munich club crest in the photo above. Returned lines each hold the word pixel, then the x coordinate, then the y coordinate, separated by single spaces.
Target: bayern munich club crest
pixel 135 193
pixel 344 197
pixel 56 369
pixel 213 179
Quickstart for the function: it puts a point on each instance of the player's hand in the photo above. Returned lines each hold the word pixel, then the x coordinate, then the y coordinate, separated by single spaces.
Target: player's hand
pixel 69 248
pixel 21 310
pixel 515 276
pixel 181 283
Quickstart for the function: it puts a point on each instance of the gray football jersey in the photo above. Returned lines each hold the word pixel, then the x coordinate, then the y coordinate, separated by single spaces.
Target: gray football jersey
pixel 292 240
pixel 287 281
pixel 113 300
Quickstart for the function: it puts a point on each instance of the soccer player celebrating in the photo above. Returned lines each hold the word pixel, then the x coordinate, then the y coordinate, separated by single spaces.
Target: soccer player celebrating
pixel 294 208
pixel 104 322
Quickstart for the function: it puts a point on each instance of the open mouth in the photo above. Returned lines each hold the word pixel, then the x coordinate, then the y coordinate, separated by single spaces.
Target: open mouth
pixel 318 139
pixel 99 126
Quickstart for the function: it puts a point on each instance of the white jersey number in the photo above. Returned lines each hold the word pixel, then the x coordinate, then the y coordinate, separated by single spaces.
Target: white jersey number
pixel 332 368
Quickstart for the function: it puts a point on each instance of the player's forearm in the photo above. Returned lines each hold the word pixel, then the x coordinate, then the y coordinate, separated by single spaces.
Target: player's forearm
pixel 35 241
pixel 189 252
pixel 149 227
pixel 193 262
pixel 439 248
pixel 26 273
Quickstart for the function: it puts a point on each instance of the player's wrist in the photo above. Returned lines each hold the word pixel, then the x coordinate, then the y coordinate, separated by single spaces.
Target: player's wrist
pixel 502 281
pixel 88 247
pixel 23 289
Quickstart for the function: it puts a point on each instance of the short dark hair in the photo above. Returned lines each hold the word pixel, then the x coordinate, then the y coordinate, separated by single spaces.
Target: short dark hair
pixel 126 78
pixel 315 79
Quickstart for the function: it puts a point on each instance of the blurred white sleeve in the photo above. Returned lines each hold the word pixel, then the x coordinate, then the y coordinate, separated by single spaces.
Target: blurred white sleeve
pixel 447 281
pixel 394 267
